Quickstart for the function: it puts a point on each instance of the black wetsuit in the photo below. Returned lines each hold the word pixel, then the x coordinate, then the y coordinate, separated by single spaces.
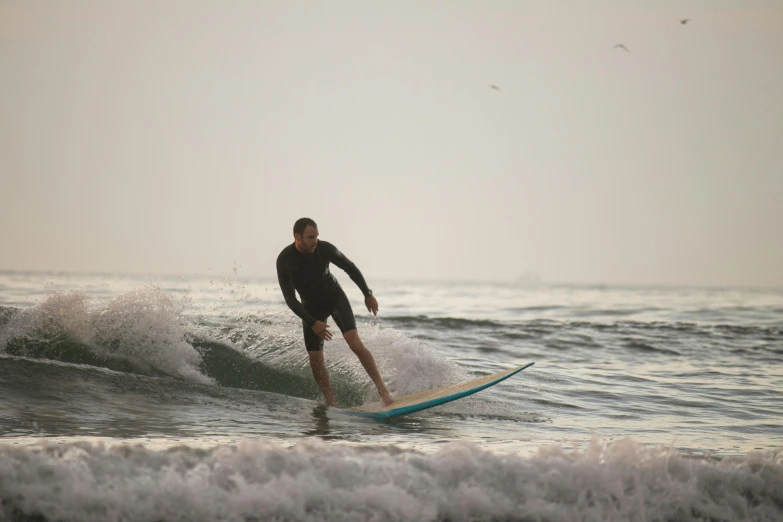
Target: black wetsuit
pixel 322 296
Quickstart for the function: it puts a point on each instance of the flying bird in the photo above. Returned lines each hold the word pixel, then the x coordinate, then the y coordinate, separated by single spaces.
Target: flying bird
pixel 494 87
pixel 685 21
pixel 621 46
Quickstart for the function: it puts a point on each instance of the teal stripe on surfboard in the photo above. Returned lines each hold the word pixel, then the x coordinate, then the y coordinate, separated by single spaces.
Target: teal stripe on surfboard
pixel 409 403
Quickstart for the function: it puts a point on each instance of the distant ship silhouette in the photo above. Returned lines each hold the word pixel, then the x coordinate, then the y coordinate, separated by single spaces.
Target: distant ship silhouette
pixel 529 278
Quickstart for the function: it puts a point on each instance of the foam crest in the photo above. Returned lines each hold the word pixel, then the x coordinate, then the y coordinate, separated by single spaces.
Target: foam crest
pixel 408 365
pixel 316 481
pixel 61 314
pixel 146 324
pixel 143 326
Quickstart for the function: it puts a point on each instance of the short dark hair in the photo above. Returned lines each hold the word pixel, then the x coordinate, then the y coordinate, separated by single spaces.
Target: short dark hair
pixel 301 224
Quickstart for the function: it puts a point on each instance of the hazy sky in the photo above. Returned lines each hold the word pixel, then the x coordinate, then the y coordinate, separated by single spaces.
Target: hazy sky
pixel 184 136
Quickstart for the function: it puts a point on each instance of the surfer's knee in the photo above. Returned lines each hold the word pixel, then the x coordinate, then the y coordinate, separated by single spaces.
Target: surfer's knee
pixel 351 336
pixel 354 342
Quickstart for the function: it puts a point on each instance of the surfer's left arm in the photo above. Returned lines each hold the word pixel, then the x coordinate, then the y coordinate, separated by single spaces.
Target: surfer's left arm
pixel 339 259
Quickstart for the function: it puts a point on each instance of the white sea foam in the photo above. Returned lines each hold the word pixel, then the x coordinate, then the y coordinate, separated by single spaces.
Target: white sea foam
pixel 411 365
pixel 58 314
pixel 142 325
pixel 316 481
pixel 407 365
pixel 146 324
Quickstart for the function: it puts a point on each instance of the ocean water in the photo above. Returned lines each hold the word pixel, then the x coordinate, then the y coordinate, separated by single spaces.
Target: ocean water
pixel 163 398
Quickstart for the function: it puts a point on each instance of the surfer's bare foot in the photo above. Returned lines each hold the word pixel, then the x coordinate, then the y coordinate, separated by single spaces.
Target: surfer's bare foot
pixel 387 399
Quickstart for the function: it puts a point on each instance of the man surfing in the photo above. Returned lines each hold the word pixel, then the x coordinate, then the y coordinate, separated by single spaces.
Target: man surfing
pixel 304 267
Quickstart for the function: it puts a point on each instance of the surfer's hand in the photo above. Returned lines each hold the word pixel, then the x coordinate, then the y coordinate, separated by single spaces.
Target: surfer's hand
pixel 372 304
pixel 321 329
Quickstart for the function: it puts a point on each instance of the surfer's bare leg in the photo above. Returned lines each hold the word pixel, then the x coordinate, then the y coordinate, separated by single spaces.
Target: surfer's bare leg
pixel 321 376
pixel 368 361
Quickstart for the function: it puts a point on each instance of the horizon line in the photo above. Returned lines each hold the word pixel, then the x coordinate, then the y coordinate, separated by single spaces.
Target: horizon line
pixel 517 282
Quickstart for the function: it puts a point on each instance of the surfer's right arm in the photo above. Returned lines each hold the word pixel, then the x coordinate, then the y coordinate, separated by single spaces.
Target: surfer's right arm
pixel 286 281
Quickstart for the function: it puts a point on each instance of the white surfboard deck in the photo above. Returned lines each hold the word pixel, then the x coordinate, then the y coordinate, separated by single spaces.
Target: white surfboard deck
pixel 431 398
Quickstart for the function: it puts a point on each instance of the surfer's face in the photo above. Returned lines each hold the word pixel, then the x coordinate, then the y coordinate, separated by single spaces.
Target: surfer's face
pixel 307 242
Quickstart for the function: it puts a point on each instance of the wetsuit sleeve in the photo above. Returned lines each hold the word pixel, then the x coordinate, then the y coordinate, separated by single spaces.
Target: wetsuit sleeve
pixel 289 293
pixel 339 259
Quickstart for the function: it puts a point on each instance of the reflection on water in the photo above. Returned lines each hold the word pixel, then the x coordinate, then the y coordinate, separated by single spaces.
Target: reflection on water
pixel 320 425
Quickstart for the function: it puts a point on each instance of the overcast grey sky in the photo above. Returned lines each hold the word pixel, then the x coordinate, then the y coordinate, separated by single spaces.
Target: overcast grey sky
pixel 184 136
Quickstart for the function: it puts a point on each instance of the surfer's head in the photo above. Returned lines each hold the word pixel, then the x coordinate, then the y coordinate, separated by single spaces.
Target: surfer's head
pixel 305 235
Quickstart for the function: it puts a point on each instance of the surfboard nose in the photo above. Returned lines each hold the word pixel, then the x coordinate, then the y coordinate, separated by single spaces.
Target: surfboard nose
pixel 431 398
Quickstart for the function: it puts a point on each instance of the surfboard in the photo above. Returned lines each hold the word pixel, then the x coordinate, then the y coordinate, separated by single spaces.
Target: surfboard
pixel 431 398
